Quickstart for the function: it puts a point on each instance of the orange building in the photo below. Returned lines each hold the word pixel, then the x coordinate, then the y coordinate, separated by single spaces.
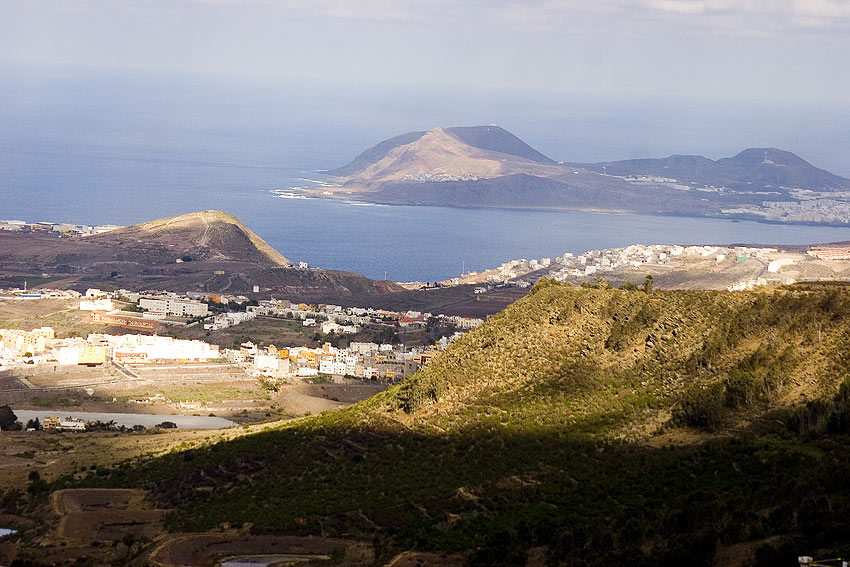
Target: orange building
pixel 138 323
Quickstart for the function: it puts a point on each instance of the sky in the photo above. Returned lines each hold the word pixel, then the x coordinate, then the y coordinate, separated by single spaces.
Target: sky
pixel 794 50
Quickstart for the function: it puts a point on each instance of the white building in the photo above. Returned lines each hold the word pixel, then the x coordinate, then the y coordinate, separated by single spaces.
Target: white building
pixel 101 304
pixel 225 320
pixel 267 363
pixel 174 306
pixel 141 348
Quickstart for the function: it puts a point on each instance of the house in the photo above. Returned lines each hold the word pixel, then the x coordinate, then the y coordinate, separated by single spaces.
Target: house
pixel 63 424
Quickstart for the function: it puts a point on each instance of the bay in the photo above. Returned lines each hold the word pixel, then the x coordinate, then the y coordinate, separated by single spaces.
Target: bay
pixel 92 147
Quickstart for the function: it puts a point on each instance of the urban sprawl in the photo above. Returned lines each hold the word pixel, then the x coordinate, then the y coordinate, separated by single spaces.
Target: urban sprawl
pixel 364 360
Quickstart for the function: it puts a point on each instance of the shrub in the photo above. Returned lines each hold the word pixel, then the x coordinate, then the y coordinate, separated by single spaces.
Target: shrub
pixel 702 406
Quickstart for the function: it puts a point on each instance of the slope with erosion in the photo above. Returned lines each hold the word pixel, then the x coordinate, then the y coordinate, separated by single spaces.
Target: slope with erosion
pixel 585 426
pixel 203 235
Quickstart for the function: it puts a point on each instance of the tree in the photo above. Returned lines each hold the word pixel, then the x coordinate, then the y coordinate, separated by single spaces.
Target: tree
pixel 7 418
pixel 36 483
pixel 647 284
pixel 33 424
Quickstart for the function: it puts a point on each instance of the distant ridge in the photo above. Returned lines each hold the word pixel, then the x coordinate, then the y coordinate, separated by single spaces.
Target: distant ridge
pixel 753 166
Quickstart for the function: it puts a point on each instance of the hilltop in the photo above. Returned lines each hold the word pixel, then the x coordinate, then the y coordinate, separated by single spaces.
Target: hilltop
pixel 209 251
pixel 204 235
pixel 487 166
pixel 484 138
pixel 580 426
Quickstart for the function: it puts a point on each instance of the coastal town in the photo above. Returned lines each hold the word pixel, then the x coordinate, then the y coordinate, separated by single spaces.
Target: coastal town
pixel 819 208
pixel 734 268
pixel 58 228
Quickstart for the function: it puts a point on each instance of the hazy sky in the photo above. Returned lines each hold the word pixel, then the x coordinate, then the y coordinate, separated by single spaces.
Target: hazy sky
pixel 753 49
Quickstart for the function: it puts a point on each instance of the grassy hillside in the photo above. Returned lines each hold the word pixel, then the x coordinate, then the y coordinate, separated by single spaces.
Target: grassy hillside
pixel 583 426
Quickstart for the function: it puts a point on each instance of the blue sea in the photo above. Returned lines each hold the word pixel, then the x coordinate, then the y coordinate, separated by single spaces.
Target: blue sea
pixel 103 146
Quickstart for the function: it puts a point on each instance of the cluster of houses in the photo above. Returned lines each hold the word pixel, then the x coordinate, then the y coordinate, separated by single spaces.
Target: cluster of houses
pixel 17 345
pixel 369 361
pixel 41 347
pixel 59 228
pixel 349 320
pixel 812 207
pixel 155 308
pixel 594 263
pixel 38 293
pixel 364 360
pixel 64 424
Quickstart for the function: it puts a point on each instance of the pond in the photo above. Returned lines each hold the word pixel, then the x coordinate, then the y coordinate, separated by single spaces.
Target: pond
pixel 270 560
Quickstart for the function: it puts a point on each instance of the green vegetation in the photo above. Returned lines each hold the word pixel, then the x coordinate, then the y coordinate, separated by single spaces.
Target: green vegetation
pixel 605 426
pixel 31 281
pixel 211 394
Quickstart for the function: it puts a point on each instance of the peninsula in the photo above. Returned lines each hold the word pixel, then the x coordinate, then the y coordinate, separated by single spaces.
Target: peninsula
pixel 487 166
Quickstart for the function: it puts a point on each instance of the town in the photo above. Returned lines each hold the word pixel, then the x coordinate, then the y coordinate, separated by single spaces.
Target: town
pixel 145 369
pixel 734 268
pixel 58 228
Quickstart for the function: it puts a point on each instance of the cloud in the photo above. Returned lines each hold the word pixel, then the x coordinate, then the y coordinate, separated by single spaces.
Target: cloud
pixel 678 6
pixel 733 17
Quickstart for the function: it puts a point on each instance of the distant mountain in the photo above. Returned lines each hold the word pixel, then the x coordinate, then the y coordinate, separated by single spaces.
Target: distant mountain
pixel 209 251
pixel 375 153
pixel 446 154
pixel 487 166
pixel 753 169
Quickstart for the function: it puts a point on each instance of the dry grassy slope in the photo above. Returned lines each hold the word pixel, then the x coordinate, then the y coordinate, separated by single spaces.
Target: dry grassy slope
pixel 205 235
pixel 612 361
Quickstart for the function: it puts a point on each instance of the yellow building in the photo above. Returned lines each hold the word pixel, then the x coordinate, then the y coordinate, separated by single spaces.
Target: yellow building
pixel 20 342
pixel 92 354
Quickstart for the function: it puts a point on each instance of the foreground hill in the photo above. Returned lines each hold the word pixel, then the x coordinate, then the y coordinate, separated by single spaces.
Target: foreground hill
pixel 579 426
pixel 208 251
pixel 486 166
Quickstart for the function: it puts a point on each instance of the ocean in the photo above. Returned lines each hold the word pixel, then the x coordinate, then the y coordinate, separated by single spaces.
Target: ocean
pixel 93 146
